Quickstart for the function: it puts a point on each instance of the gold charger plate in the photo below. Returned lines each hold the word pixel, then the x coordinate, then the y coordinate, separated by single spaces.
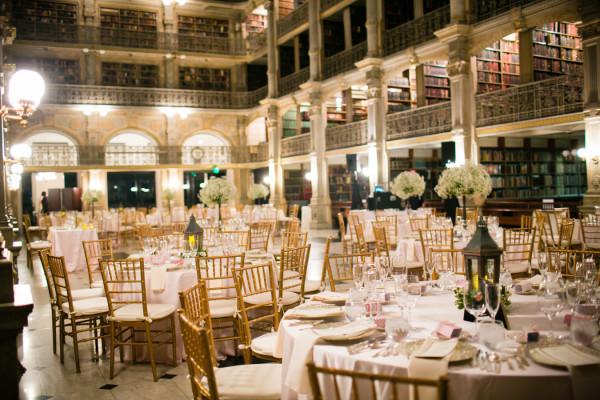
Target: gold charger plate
pixel 462 352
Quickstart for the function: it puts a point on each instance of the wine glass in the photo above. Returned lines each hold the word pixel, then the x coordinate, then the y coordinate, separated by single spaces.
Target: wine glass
pixel 384 264
pixel 474 300
pixel 493 297
pixel 358 274
pixel 430 267
pixel 584 328
pixel 573 293
pixel 397 327
pixel 409 294
pixel 398 266
pixel 550 299
pixel 542 258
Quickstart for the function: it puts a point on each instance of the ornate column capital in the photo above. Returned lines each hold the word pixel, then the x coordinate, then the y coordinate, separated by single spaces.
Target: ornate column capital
pixel 458 68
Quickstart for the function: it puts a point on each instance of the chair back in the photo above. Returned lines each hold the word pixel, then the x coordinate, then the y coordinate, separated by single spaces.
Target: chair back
pixel 200 362
pixel 48 275
pixel 48 221
pixel 359 244
pixel 341 224
pixel 293 225
pixel 418 223
pixel 590 230
pixel 565 233
pixel 436 238
pixel 179 226
pixel 292 269
pixel 26 220
pixel 241 238
pixel 194 304
pixel 294 208
pixel 124 284
pixel 447 260
pixel 527 221
pixel 518 245
pixel 293 239
pixel 331 383
pixel 217 273
pixel 208 234
pixel 95 250
pixel 568 260
pixel 173 240
pixel 60 280
pixel 259 237
pixel 339 268
pixel 381 242
pixel 392 227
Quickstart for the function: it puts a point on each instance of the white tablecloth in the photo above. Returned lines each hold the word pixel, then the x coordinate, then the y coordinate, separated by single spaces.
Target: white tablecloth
pixel 465 382
pixel 67 243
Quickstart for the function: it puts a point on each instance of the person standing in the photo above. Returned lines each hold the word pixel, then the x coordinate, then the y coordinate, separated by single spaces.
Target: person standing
pixel 44 202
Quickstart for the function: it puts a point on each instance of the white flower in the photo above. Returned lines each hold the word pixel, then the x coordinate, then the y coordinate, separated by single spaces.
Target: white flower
pixel 408 184
pixel 466 180
pixel 258 191
pixel 92 196
pixel 169 194
pixel 217 191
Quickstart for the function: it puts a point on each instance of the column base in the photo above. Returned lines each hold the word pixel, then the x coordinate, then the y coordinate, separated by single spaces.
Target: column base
pixel 320 216
pixel 591 200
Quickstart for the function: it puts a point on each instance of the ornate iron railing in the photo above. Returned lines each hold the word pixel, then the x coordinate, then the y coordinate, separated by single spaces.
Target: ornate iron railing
pixel 209 155
pixel 556 96
pixel 256 153
pixel 293 20
pixel 290 83
pixel 295 145
pixel 417 31
pixel 53 155
pixel 109 37
pixel 421 121
pixel 344 61
pixel 133 96
pixel 485 9
pixel 119 154
pixel 347 135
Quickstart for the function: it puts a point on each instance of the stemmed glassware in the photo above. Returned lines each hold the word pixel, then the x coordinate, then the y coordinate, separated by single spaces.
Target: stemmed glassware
pixel 493 298
pixel 474 300
pixel 550 299
pixel 408 293
pixel 358 274
pixel 398 327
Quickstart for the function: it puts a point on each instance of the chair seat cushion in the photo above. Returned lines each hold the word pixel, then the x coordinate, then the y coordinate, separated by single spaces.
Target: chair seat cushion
pixel 265 344
pixel 39 245
pixel 414 264
pixel 95 305
pixel 290 274
pixel 134 312
pixel 97 285
pixel 517 266
pixel 251 381
pixel 222 308
pixel 263 298
pixel 80 294
pixel 293 285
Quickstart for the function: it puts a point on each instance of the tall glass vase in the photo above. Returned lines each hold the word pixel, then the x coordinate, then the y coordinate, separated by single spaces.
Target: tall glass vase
pixel 464 201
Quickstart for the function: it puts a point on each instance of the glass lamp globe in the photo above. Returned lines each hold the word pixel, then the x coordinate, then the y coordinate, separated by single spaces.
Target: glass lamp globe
pixel 16 169
pixel 25 86
pixel 20 151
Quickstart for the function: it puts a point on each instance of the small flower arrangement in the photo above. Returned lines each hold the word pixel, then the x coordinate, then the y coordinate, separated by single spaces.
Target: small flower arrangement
pixel 258 191
pixel 467 180
pixel 217 191
pixel 169 194
pixel 408 184
pixel 92 196
pixel 459 300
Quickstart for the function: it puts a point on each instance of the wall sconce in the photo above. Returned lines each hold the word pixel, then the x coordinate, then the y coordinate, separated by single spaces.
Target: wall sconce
pixel 584 153
pixel 25 90
pixel 19 153
pixel 267 180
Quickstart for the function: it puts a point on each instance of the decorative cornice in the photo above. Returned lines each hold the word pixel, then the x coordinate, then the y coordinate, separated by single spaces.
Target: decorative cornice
pixel 453 31
pixel 369 63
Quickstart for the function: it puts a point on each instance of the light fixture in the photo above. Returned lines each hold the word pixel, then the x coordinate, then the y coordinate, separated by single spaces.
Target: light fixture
pixel 169 2
pixel 134 189
pixel 145 190
pixel 308 176
pixel 365 171
pixel 25 90
pixel 17 169
pixel 185 186
pixel 20 151
pixel 267 180
pixel 202 185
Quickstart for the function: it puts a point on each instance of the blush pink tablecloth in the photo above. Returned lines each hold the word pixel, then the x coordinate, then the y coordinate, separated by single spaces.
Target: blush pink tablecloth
pixel 67 243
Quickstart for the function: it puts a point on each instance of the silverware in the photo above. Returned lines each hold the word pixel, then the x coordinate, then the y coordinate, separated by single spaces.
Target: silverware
pixel 372 343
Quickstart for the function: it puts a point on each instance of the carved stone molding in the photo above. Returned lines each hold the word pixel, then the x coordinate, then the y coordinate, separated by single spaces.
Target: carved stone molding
pixel 590 30
pixel 458 68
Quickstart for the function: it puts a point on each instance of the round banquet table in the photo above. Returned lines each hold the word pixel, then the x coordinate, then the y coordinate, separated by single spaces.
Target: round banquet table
pixel 465 381
pixel 66 242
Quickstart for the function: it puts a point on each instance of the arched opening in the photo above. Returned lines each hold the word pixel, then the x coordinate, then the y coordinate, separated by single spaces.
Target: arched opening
pixel 205 148
pixel 52 149
pixel 131 148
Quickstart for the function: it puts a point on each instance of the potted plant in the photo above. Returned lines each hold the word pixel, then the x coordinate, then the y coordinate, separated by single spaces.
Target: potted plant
pixel 216 192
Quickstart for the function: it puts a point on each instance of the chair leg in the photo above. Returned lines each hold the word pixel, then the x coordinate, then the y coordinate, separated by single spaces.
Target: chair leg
pixel 54 320
pixel 113 346
pixel 151 348
pixel 174 339
pixel 75 343
pixel 62 338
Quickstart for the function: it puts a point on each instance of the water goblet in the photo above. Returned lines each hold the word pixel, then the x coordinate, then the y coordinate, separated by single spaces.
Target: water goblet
pixel 493 297
pixel 397 328
pixel 384 264
pixel 358 271
pixel 473 300
pixel 355 309
pixel 550 299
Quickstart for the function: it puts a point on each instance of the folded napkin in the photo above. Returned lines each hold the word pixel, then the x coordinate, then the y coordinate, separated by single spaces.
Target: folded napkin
pixel 536 280
pixel 297 374
pixel 158 277
pixel 330 297
pixel 430 361
pixel 410 250
pixel 568 355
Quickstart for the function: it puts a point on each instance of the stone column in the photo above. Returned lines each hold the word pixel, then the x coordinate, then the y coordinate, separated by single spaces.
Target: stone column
pixel 89 12
pixel 170 81
pixel 591 102
pixel 526 56
pixel 374 25
pixel 271 48
pixel 315 35
pixel 169 18
pixel 90 68
pixel 242 175
pixel 275 168
pixel 418 8
pixel 458 11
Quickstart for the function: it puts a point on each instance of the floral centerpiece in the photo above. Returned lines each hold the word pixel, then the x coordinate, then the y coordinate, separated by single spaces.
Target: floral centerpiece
pixel 258 191
pixel 464 181
pixel 169 194
pixel 216 192
pixel 92 196
pixel 408 184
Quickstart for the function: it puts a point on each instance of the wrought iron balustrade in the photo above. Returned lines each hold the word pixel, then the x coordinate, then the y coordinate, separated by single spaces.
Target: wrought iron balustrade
pixel 210 155
pixel 347 135
pixel 292 82
pixel 344 61
pixel 486 9
pixel 110 37
pixel 417 31
pixel 293 20
pixel 556 96
pixel 295 146
pixel 119 154
pixel 421 121
pixel 255 153
pixel 53 155
pixel 134 96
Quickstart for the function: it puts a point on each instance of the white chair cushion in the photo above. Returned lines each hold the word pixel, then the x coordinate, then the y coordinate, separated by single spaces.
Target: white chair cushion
pixel 290 274
pixel 414 264
pixel 309 286
pixel 39 245
pixel 260 298
pixel 222 308
pixel 517 267
pixel 265 344
pixel 251 381
pixel 80 294
pixel 135 312
pixel 290 298
pixel 575 242
pixel 95 305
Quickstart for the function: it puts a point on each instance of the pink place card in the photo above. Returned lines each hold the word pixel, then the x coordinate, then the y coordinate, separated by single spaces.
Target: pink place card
pixel 448 330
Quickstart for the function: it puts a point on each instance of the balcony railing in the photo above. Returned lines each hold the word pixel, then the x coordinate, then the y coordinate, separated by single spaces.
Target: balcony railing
pixel 295 146
pixel 109 37
pixel 133 96
pixel 344 61
pixel 118 154
pixel 347 135
pixel 417 31
pixel 556 96
pixel 485 9
pixel 256 153
pixel 53 155
pixel 421 121
pixel 292 82
pixel 293 20
pixel 210 155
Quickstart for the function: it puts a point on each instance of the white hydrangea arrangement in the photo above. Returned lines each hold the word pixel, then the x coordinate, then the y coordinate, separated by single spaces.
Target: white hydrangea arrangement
pixel 169 194
pixel 217 191
pixel 92 196
pixel 467 180
pixel 408 184
pixel 258 191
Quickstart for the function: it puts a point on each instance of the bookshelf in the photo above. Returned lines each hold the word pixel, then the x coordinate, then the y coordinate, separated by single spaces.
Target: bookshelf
pixel 126 19
pixel 556 50
pixel 296 186
pixel 201 26
pixel 338 107
pixel 399 98
pixel 204 78
pixel 45 11
pixel 428 167
pixel 53 70
pixel 296 121
pixel 533 172
pixel 256 23
pixel 397 12
pixel 340 184
pixel 333 37
pixel 498 65
pixel 287 6
pixel 437 83
pixel 121 74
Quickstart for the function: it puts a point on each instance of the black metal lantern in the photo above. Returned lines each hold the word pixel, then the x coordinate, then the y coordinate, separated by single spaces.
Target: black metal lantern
pixel 193 234
pixel 482 256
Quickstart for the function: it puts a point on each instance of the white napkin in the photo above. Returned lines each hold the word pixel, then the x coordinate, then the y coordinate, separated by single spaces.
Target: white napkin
pixel 410 250
pixel 332 297
pixel 297 374
pixel 430 361
pixel 569 355
pixel 536 280
pixel 158 277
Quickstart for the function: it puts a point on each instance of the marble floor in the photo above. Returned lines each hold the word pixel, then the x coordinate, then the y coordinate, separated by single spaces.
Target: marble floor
pixel 47 378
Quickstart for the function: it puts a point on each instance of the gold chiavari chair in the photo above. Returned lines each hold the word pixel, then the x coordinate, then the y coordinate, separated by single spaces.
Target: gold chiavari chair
pixel 36 232
pixel 439 214
pixel 381 243
pixel 527 221
pixel 565 235
pixel 179 227
pixel 241 238
pixel 518 248
pixel 292 274
pixel 259 237
pixel 144 231
pixel 83 320
pixel 293 225
pixel 359 244
pixel 346 238
pixel 568 260
pixel 435 239
pixel 392 229
pixel 217 273
pixel 94 251
pixel 208 234
pixel 294 208
pixel 339 269
pixel 590 230
pixel 293 239
pixel 173 239
pixel 255 381
pixel 48 221
pixel 272 223
pixel 130 313
pixel 331 383
pixel 418 223
pixel 448 259
pixel 194 304
pixel 34 248
pixel 257 301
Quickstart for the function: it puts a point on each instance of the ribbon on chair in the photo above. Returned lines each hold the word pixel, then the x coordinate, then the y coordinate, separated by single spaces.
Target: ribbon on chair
pixel 280 305
pixel 236 313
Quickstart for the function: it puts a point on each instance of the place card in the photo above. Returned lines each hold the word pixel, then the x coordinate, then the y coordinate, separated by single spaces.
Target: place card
pixel 448 330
